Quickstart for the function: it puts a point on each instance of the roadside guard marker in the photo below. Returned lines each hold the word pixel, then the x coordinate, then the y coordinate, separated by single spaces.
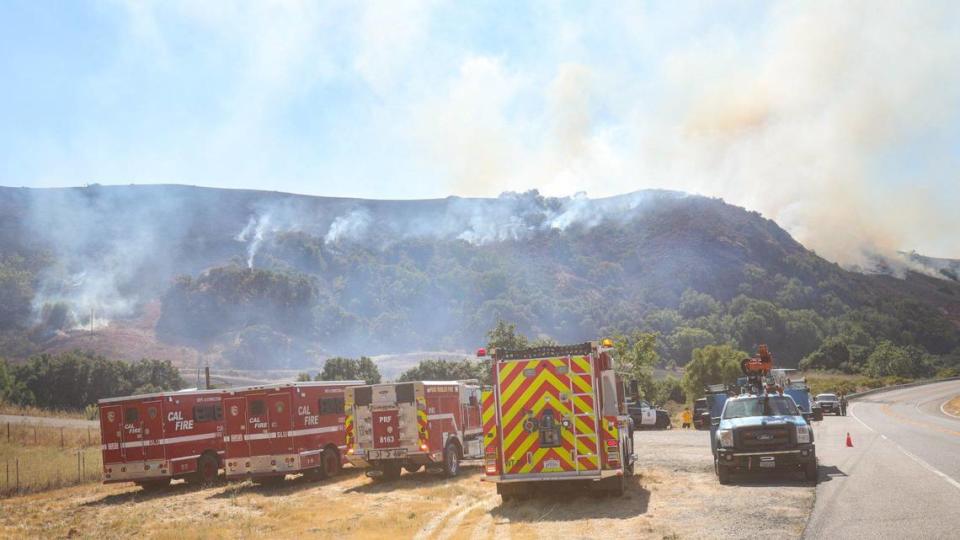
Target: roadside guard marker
pixel 849 441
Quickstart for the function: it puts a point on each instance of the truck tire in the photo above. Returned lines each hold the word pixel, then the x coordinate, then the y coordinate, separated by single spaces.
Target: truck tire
pixel 810 471
pixel 616 485
pixel 153 485
pixel 329 464
pixel 512 492
pixel 208 470
pixel 451 459
pixel 723 473
pixel 271 480
pixel 413 468
pixel 391 470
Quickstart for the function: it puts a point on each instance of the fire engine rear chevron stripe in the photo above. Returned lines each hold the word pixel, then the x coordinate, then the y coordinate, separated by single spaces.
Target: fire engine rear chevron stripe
pixel 423 423
pixel 348 421
pixel 580 364
pixel 530 388
pixel 511 403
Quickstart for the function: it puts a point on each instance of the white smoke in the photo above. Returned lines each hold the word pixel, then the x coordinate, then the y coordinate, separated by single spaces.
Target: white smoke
pixel 253 234
pixel 348 227
pixel 833 119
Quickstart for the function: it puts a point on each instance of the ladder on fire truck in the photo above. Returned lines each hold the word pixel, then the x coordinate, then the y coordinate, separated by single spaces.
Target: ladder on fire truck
pixel 588 419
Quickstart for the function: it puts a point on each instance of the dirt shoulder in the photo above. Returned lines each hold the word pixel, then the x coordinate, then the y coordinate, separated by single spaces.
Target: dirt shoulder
pixel 952 406
pixel 675 495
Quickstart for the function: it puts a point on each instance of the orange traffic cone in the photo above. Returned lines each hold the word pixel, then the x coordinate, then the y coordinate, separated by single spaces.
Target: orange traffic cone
pixel 849 441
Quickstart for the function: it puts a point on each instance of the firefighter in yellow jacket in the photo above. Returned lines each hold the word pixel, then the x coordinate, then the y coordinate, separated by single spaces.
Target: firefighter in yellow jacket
pixel 686 417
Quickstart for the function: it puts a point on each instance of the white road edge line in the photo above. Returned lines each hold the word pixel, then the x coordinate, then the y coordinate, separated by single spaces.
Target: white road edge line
pixel 857 418
pixel 919 461
pixel 943 408
pixel 926 465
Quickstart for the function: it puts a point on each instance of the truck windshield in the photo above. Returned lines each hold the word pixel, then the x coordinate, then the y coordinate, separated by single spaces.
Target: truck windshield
pixel 759 406
pixel 826 397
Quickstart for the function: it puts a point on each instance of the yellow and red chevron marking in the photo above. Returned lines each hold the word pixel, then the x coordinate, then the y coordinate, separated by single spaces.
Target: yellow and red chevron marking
pixel 422 423
pixel 348 421
pixel 580 364
pixel 348 430
pixel 527 388
pixel 611 428
pixel 611 431
pixel 488 417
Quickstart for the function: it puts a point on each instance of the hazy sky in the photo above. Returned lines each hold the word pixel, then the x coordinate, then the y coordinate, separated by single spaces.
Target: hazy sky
pixel 839 120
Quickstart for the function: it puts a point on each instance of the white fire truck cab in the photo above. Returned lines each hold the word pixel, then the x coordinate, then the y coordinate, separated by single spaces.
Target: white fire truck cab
pixel 410 425
pixel 285 428
pixel 152 438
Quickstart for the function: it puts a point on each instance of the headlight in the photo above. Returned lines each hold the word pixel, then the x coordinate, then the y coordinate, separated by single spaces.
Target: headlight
pixel 725 436
pixel 803 434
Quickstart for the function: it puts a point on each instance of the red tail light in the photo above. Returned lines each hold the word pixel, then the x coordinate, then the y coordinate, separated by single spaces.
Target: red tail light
pixel 611 442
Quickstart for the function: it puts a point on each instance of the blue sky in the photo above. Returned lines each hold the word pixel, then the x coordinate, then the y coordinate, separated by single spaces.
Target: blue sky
pixel 821 115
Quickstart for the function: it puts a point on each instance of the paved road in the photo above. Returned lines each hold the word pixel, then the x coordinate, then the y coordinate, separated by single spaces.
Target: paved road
pixel 901 479
pixel 48 421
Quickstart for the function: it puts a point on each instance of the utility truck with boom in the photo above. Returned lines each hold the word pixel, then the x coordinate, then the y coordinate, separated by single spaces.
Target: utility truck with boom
pixel 761 429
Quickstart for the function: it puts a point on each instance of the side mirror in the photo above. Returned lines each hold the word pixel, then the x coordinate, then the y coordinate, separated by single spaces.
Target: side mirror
pixel 807 416
pixel 473 401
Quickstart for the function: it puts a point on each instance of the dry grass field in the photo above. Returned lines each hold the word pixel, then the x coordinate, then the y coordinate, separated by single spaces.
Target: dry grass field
pixel 675 495
pixel 36 457
pixel 953 406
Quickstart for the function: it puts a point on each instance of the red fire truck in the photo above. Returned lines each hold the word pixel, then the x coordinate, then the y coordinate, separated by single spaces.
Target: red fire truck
pixel 556 414
pixel 287 428
pixel 151 438
pixel 412 425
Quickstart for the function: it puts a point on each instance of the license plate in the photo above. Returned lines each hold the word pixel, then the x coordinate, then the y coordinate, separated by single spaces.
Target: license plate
pixel 551 465
pixel 390 453
pixel 768 462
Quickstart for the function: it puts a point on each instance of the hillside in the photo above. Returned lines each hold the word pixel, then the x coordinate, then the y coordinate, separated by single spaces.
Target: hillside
pixel 259 280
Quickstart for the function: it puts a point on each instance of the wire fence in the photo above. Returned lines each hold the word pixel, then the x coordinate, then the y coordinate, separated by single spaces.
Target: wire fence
pixel 38 457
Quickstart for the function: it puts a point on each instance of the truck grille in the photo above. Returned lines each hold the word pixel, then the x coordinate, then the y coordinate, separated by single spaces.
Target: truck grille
pixel 750 438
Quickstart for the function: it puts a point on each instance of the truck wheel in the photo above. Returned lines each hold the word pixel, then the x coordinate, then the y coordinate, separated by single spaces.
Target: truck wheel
pixel 723 473
pixel 154 485
pixel 511 492
pixel 810 471
pixel 616 486
pixel 207 471
pixel 271 480
pixel 391 470
pixel 329 464
pixel 413 468
pixel 451 459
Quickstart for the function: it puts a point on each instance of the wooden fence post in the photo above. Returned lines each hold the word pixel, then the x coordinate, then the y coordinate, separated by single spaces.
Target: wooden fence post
pixel 78 467
pixel 8 431
pixel 34 434
pixel 61 437
pixel 18 475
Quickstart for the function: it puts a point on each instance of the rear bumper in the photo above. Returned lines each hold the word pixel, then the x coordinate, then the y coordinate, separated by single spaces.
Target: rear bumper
pixel 255 466
pixel 416 458
pixel 552 477
pixel 756 461
pixel 136 471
